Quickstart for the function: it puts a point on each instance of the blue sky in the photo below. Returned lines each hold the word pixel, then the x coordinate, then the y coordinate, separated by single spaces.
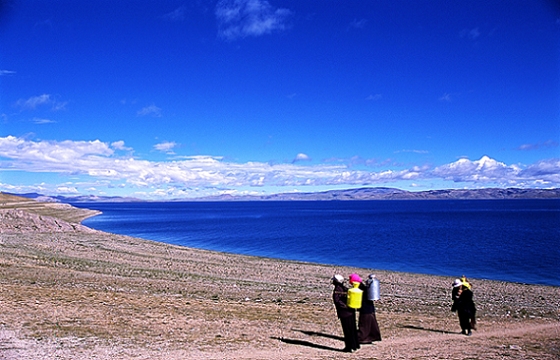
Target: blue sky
pixel 178 99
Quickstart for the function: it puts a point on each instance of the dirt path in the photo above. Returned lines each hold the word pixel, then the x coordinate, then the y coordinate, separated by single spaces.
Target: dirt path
pixel 494 343
pixel 509 343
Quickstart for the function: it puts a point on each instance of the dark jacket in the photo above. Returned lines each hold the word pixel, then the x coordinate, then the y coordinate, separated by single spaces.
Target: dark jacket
pixel 455 297
pixel 340 297
pixel 465 303
pixel 367 305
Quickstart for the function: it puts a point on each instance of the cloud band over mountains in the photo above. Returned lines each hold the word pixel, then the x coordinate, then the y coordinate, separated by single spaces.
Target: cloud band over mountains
pixel 104 163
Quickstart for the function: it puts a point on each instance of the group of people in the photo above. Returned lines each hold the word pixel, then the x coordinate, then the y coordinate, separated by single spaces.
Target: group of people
pixel 367 329
pixel 463 304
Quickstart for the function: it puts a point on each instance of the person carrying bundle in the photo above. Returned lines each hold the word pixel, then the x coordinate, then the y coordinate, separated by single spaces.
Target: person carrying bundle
pixel 464 305
pixel 345 313
pixel 368 329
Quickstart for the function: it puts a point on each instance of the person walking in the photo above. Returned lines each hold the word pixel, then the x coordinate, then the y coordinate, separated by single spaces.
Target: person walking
pixel 346 314
pixel 466 309
pixel 368 329
pixel 455 292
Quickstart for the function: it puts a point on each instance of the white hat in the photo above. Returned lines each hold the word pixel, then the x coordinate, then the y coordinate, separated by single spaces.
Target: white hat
pixel 338 278
pixel 457 283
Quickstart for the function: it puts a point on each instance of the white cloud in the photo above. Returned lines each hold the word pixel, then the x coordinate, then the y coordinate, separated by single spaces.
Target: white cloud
pixel 151 110
pixel 22 189
pixel 97 160
pixel 36 101
pixel 485 170
pixel 166 147
pixel 548 170
pixel 119 145
pixel 57 105
pixel 357 161
pixel 67 190
pixel 301 157
pixel 42 155
pixel 6 72
pixel 242 18
pixel 412 151
pixel 41 121
pixel 542 145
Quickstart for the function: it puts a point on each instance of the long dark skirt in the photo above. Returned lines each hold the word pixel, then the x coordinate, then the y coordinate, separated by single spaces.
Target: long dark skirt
pixel 467 320
pixel 368 329
pixel 350 333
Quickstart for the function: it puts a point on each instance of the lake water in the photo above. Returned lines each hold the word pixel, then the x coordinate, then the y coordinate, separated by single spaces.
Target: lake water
pixel 509 240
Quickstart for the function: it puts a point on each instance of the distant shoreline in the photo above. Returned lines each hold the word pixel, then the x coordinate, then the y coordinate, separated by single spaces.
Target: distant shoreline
pixel 79 215
pixel 139 214
pixel 366 193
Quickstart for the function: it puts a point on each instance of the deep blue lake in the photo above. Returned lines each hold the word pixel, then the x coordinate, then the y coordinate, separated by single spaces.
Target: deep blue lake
pixel 509 240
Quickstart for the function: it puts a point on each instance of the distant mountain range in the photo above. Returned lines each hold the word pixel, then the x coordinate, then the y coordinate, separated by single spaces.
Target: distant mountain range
pixel 76 199
pixel 376 193
pixel 382 193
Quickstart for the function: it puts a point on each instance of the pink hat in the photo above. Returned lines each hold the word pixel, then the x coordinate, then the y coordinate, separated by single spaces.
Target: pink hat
pixel 355 278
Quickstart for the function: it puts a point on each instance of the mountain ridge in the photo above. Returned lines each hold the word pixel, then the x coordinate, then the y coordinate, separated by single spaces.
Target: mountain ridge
pixel 365 193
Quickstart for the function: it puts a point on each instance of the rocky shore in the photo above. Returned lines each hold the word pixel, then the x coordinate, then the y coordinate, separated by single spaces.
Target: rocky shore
pixel 69 292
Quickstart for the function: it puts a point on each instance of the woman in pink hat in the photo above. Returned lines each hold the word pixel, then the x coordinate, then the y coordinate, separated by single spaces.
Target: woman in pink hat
pixel 368 328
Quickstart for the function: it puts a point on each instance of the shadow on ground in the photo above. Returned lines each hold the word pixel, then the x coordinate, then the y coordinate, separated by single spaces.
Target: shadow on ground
pixel 428 329
pixel 305 343
pixel 314 333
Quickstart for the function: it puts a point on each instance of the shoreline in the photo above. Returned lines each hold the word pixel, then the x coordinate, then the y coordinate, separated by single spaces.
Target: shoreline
pixel 337 265
pixel 78 294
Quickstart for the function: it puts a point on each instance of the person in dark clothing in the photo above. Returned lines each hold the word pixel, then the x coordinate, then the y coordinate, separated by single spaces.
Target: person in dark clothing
pixel 368 329
pixel 466 309
pixel 455 292
pixel 346 314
